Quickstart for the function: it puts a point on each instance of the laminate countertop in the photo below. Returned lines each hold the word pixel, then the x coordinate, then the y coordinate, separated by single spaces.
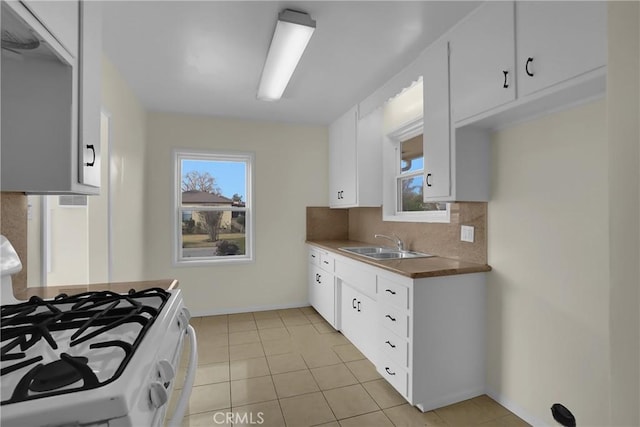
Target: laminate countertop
pixel 416 268
pixel 117 287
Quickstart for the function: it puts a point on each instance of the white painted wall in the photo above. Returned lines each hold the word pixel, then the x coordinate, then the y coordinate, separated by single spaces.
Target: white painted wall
pixel 69 243
pixel 623 111
pixel 128 162
pixel 548 293
pixel 34 239
pixel 290 173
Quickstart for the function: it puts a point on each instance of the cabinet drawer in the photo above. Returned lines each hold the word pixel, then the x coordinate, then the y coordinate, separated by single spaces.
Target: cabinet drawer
pixel 394 347
pixel 314 257
pixel 327 262
pixel 362 280
pixel 393 293
pixel 395 375
pixel 394 320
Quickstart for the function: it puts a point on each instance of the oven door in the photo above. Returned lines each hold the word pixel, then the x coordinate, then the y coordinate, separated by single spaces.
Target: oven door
pixel 186 361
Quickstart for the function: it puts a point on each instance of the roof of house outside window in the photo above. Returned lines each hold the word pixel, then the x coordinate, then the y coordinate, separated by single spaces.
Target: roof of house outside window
pixel 203 198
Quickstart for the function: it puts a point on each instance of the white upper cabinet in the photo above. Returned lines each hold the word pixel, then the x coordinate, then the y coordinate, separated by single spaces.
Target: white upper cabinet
pixel 51 99
pixel 436 132
pixel 457 161
pixel 557 41
pixel 355 160
pixel 90 77
pixel 342 160
pixel 512 61
pixel 483 60
pixel 61 18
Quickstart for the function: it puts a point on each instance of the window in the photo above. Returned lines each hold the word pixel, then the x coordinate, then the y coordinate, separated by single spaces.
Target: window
pixel 404 178
pixel 213 207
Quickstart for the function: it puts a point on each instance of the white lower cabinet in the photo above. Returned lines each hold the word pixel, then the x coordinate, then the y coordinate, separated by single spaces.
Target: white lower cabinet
pixel 358 313
pixel 426 337
pixel 322 294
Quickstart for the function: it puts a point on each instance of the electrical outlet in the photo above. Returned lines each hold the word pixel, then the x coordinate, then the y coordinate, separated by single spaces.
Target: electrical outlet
pixel 467 233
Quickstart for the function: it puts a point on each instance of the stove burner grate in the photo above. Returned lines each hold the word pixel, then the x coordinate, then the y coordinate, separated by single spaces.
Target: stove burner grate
pixel 88 316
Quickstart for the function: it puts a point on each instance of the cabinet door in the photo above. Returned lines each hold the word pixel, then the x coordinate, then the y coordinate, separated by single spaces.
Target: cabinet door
pixel 322 293
pixel 358 316
pixel 90 64
pixel 61 18
pixel 482 60
pixel 342 160
pixel 557 41
pixel 436 130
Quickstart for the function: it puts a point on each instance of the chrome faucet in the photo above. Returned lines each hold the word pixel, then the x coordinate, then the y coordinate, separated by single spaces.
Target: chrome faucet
pixel 395 239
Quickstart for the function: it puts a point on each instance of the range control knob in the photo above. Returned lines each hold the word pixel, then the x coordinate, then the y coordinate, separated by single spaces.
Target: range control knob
pixel 165 372
pixel 157 394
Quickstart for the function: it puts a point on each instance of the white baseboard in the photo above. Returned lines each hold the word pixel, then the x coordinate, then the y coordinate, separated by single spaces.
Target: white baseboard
pixel 217 311
pixel 516 409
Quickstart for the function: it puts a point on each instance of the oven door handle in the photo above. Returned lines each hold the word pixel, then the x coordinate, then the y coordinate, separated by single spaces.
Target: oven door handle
pixel 188 382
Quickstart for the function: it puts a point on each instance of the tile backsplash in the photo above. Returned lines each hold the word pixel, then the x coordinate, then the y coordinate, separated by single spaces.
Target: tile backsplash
pixel 442 239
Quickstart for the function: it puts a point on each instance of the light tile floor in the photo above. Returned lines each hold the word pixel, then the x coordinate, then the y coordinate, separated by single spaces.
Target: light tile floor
pixel 290 368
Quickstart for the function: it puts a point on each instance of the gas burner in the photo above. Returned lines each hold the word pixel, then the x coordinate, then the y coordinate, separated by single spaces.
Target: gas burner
pixel 58 374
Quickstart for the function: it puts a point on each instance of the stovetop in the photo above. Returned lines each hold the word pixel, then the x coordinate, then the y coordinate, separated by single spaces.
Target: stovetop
pixel 72 343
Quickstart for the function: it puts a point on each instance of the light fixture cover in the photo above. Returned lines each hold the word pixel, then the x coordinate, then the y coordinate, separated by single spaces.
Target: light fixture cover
pixel 292 34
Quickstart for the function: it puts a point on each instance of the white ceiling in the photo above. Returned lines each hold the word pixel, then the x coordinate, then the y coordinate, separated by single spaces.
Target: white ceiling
pixel 206 57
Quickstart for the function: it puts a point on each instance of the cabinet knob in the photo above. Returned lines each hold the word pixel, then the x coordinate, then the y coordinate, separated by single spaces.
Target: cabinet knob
pixel 526 67
pixel 391 345
pixel 386 368
pixel 319 278
pixel 390 291
pixel 505 84
pixel 353 304
pixel 393 319
pixel 427 180
pixel 358 306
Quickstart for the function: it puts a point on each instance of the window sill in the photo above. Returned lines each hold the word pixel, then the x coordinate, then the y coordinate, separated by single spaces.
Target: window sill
pixel 439 217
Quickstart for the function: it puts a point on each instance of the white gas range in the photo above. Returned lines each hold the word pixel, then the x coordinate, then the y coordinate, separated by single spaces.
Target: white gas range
pixel 97 358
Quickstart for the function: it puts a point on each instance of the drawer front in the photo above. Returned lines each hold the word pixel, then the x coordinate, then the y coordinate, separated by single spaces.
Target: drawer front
pixel 314 257
pixel 395 375
pixel 360 279
pixel 393 293
pixel 327 262
pixel 393 347
pixel 394 320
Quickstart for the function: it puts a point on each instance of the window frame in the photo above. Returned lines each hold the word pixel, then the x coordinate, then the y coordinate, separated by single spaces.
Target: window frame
pixel 395 138
pixel 248 158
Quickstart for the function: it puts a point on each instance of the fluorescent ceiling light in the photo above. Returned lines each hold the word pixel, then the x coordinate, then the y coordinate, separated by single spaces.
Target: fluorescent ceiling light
pixel 292 34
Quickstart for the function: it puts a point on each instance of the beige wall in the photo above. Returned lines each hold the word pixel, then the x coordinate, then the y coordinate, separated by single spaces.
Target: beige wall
pixel 291 164
pixel 548 293
pixel 623 115
pixel 98 214
pixel 127 182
